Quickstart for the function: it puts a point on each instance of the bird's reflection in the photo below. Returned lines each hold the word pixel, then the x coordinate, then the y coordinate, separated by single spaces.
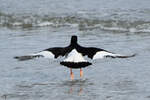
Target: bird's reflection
pixel 79 89
pixel 76 86
pixel 4 96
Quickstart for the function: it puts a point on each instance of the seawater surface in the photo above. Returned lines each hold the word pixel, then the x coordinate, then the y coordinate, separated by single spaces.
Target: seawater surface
pixel 122 26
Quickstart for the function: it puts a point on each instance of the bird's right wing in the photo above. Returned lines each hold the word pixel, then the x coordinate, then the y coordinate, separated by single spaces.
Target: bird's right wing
pixel 106 54
pixel 97 53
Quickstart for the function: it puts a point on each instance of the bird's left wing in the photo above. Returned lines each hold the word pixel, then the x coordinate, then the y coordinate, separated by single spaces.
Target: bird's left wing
pixel 51 53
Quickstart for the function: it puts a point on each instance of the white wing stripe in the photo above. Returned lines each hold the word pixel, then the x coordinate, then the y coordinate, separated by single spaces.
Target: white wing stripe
pixel 102 54
pixel 45 54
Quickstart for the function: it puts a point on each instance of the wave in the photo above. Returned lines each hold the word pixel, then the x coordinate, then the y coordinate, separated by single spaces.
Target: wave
pixel 82 23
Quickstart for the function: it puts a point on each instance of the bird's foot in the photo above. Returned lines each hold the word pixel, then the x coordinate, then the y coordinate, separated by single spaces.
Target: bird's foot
pixel 81 73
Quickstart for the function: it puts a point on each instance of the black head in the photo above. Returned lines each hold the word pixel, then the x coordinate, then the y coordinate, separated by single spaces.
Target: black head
pixel 74 39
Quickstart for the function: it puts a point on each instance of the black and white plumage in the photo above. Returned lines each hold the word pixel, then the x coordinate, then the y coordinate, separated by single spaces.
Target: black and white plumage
pixel 74 54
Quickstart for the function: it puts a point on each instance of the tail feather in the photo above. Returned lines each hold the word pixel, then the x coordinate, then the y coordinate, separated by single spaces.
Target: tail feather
pixel 27 57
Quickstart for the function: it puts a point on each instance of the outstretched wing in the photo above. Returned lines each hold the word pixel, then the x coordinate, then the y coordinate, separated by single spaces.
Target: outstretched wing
pixel 103 54
pixel 97 53
pixel 51 53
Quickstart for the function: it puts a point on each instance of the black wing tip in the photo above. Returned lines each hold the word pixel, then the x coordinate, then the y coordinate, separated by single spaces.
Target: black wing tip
pixel 28 57
pixel 133 55
pixel 17 57
pixel 22 58
pixel 122 56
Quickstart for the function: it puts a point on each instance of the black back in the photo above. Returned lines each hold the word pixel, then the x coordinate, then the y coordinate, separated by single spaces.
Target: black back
pixel 85 51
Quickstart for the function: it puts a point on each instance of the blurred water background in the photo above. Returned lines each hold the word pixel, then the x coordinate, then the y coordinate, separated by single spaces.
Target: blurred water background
pixel 121 26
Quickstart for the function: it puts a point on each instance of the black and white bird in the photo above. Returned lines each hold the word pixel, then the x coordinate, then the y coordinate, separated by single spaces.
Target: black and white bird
pixel 74 55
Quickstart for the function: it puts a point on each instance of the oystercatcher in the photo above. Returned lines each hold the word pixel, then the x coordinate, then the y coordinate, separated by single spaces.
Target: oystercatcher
pixel 74 55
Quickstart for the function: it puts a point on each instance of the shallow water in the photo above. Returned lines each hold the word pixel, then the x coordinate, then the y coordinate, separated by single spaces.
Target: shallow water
pixel 25 29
